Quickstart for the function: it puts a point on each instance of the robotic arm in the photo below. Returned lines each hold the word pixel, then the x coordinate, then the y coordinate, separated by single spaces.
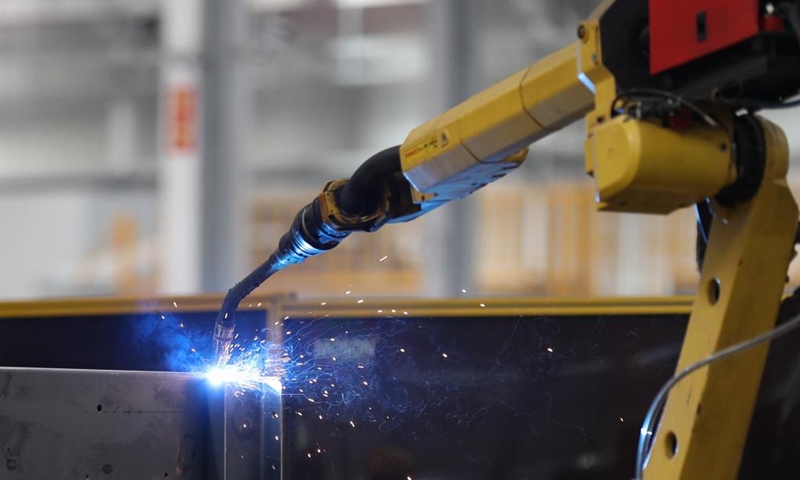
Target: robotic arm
pixel 668 89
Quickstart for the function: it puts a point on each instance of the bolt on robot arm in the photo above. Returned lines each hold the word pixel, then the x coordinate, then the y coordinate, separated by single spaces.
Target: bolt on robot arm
pixel 668 90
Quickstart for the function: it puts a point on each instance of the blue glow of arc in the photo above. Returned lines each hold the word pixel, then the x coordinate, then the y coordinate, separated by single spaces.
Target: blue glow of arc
pixel 232 374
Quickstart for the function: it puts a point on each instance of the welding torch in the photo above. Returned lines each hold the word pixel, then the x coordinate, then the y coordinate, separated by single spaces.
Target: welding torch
pixel 444 159
pixel 383 190
pixel 376 194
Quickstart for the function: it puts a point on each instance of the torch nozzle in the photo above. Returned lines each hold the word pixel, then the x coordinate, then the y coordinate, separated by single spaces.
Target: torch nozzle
pixel 223 336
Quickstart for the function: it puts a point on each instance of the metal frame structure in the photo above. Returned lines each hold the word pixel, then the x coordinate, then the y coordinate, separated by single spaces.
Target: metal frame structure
pixel 286 304
pixel 61 423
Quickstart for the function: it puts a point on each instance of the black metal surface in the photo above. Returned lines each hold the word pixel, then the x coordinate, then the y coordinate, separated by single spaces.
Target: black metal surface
pixel 500 405
pixel 772 449
pixel 143 341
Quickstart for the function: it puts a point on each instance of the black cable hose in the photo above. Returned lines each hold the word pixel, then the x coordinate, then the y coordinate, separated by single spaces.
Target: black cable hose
pixel 361 192
pixel 704 218
pixel 308 236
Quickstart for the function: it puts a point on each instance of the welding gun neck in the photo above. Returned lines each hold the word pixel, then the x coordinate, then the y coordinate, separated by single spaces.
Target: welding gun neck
pixel 360 194
pixel 308 236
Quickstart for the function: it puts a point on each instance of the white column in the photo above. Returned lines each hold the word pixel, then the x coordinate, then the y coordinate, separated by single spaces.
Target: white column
pixel 122 136
pixel 180 179
pixel 227 101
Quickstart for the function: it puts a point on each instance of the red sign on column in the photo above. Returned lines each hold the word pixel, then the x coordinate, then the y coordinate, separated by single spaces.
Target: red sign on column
pixel 182 119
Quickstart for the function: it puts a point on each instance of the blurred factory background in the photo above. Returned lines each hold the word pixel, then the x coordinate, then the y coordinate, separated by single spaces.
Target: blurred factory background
pixel 162 146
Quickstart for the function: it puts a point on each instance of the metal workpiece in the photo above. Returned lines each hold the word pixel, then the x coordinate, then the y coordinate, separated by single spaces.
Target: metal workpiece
pixel 246 434
pixel 101 424
pixel 92 424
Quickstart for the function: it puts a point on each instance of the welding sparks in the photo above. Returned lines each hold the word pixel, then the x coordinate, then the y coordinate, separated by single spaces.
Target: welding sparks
pixel 549 349
pixel 347 292
pixel 384 258
pixel 402 350
pixel 444 355
pixel 176 304
pixel 352 424
pixel 483 305
pixel 360 301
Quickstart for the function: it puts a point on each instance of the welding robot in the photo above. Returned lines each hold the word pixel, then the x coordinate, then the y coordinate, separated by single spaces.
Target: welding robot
pixel 669 91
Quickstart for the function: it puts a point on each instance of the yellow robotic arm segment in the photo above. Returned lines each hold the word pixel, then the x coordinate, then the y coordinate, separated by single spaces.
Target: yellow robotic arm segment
pixel 476 142
pixel 639 165
pixel 644 168
pixel 552 92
